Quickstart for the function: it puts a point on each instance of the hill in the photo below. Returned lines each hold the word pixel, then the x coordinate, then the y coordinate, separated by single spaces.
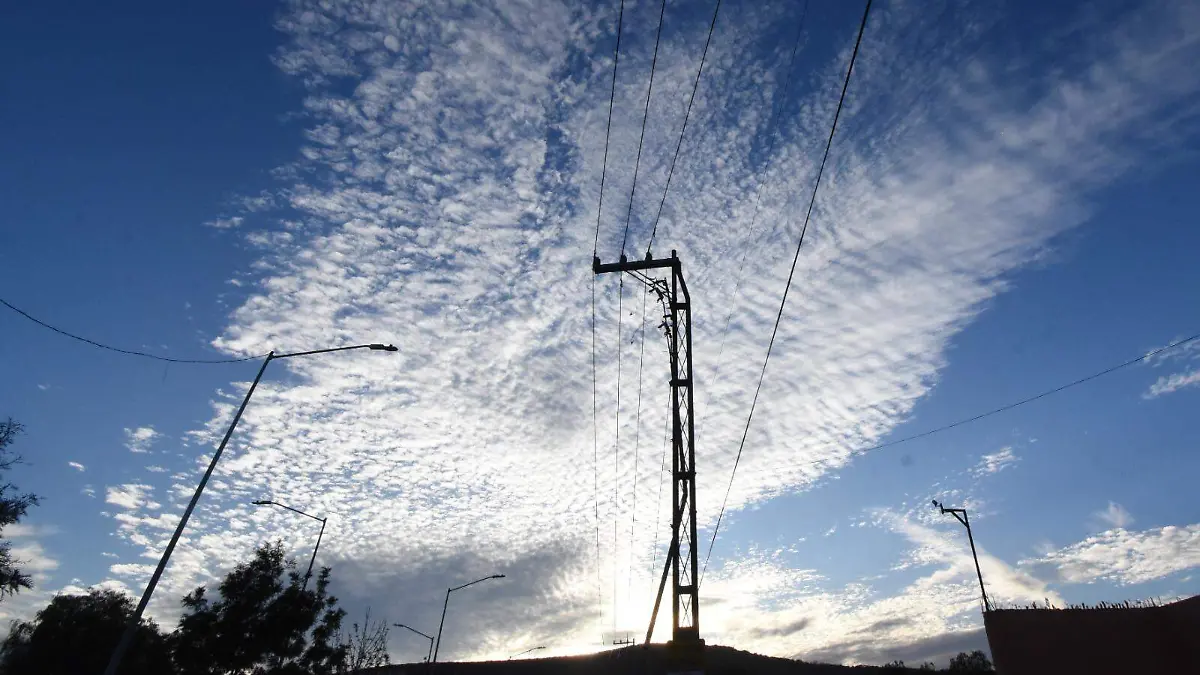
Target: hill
pixel 635 660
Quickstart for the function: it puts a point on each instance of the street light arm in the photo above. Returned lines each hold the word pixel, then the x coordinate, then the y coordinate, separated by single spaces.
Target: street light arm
pixel 264 502
pixel 400 625
pixel 446 604
pixel 531 649
pixel 374 346
pixel 458 588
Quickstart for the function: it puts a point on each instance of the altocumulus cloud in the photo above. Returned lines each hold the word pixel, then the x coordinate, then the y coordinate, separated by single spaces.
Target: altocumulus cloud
pixel 444 200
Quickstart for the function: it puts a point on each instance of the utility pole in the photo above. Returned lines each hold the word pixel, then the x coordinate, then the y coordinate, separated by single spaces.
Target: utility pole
pixel 681 564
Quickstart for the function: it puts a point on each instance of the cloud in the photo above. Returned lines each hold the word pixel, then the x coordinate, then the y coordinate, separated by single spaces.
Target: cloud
pixel 1115 516
pixel 77 466
pixel 19 530
pixel 140 439
pixel 445 200
pixel 1124 557
pixel 129 496
pixel 938 649
pixel 228 223
pixel 88 491
pixel 1167 384
pixel 995 462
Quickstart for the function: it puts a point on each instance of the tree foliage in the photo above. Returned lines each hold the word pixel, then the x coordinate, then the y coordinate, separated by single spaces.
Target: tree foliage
pixel 13 506
pixel 263 623
pixel 975 662
pixel 77 633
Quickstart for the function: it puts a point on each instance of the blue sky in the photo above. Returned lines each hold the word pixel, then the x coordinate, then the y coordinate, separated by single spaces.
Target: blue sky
pixel 1008 207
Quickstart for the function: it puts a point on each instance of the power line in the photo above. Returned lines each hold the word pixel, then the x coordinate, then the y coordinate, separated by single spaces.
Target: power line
pixel 131 352
pixel 637 440
pixel 1001 409
pixel 617 446
pixel 645 116
pixel 595 396
pixel 687 113
pixel 662 474
pixel 608 129
pixel 741 268
pixel 791 274
pixel 1031 399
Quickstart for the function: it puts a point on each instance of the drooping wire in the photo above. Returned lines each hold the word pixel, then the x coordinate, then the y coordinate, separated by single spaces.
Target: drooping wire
pixel 787 287
pixel 662 474
pixel 687 113
pixel 662 10
pixel 637 439
pixel 608 128
pixel 741 268
pixel 617 444
pixel 1030 399
pixel 131 352
pixel 595 395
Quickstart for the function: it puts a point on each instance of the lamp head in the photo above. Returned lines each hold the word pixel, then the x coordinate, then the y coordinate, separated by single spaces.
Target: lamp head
pixel 384 348
pixel 260 502
pixel 497 576
pixel 936 504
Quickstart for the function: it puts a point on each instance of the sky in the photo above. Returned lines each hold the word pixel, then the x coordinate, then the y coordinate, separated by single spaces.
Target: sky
pixel 1008 207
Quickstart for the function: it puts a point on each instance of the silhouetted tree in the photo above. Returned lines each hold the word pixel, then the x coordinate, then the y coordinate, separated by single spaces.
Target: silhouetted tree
pixel 366 647
pixel 264 623
pixel 975 662
pixel 77 633
pixel 928 665
pixel 12 508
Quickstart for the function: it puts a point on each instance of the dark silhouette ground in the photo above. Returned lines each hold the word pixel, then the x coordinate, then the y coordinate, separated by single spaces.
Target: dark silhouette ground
pixel 1097 640
pixel 635 660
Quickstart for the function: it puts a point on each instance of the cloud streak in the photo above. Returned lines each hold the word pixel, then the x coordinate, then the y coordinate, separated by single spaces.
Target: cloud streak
pixel 1125 557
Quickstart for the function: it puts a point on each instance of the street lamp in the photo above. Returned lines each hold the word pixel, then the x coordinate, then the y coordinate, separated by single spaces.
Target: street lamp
pixel 114 661
pixel 313 559
pixel 427 637
pixel 447 604
pixel 961 516
pixel 531 649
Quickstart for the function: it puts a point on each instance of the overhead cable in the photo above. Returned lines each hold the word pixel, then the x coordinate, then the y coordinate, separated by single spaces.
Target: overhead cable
pixel 687 113
pixel 595 396
pixel 662 10
pixel 131 352
pixel 791 274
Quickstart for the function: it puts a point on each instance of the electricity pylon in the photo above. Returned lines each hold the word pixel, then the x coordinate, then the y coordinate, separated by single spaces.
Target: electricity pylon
pixel 681 557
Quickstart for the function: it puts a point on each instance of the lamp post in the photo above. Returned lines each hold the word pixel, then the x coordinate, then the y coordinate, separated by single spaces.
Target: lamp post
pixel 961 516
pixel 447 604
pixel 114 661
pixel 313 559
pixel 427 637
pixel 531 649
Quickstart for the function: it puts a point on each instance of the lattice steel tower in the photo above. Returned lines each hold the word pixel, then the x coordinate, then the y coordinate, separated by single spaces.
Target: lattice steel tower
pixel 681 556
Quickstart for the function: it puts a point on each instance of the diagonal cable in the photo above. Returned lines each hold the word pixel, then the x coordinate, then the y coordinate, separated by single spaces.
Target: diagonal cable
pixel 595 396
pixel 1030 399
pixel 662 10
pixel 741 268
pixel 131 352
pixel 637 440
pixel 791 274
pixel 687 113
